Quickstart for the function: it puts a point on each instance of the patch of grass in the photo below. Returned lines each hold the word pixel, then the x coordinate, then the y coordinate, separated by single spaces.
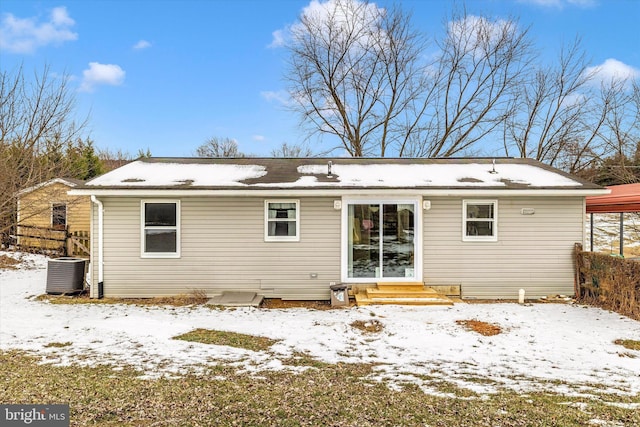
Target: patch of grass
pixel 59 344
pixel 368 326
pixel 304 359
pixel 232 339
pixel 629 344
pixel 483 328
pixel 8 262
pixel 196 297
pixel 338 395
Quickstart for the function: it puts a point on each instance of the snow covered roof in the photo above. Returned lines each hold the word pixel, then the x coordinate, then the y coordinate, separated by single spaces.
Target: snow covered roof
pixel 334 174
pixel 69 182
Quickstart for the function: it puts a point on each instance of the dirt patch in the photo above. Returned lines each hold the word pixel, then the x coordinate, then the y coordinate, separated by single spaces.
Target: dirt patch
pixel 278 303
pixel 8 262
pixel 483 328
pixel 194 298
pixel 367 326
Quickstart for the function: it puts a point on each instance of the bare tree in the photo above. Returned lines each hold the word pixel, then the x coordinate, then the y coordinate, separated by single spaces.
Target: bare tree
pixel 354 70
pixel 481 64
pixel 36 127
pixel 620 132
pixel 547 122
pixel 360 72
pixel 219 147
pixel 292 150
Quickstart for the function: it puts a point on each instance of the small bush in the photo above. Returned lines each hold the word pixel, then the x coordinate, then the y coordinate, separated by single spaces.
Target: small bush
pixel 608 282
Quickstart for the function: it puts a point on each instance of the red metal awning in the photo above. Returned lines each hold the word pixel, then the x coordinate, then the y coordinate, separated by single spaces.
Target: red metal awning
pixel 623 198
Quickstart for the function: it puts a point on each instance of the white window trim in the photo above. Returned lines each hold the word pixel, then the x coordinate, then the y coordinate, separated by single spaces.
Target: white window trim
pixel 418 238
pixel 493 238
pixel 177 227
pixel 268 238
pixel 66 212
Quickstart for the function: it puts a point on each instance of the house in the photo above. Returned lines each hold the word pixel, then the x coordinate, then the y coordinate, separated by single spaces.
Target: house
pixel 46 214
pixel 288 228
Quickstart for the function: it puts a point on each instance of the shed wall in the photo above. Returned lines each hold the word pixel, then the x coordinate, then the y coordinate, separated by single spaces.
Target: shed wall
pixel 533 252
pixel 35 210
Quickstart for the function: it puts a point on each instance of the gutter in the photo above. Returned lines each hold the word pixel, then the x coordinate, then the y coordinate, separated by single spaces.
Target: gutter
pixel 97 202
pixel 337 192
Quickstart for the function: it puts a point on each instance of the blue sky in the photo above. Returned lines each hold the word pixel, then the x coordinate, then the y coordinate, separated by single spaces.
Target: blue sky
pixel 167 75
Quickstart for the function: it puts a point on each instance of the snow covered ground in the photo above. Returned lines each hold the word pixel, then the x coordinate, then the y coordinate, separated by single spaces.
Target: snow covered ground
pixel 556 347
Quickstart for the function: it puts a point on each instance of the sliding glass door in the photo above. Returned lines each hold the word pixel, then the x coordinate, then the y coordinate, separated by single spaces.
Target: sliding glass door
pixel 381 240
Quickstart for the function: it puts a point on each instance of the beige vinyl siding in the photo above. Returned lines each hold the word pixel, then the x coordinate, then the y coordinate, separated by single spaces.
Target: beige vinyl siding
pixel 533 252
pixel 223 248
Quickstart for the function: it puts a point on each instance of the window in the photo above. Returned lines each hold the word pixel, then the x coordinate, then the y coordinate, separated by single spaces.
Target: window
pixel 59 216
pixel 282 222
pixel 160 229
pixel 480 221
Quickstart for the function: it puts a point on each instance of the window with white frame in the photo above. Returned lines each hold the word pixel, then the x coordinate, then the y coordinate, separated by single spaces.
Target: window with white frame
pixel 282 220
pixel 59 216
pixel 160 229
pixel 480 220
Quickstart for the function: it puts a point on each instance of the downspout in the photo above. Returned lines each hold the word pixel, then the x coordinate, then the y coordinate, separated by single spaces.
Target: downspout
pixel 95 200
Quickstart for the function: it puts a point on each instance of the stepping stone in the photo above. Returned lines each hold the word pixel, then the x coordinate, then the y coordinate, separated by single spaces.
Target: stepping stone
pixel 237 299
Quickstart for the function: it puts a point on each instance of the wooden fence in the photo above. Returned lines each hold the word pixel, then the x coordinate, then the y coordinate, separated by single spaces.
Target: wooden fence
pixel 607 281
pixel 78 243
pixel 53 240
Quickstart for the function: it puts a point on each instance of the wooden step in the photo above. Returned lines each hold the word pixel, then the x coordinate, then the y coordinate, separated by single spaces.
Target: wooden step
pixel 362 299
pixel 400 285
pixel 400 288
pixel 401 293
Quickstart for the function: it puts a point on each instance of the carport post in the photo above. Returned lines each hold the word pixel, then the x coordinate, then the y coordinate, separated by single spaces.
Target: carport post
pixel 621 234
pixel 591 224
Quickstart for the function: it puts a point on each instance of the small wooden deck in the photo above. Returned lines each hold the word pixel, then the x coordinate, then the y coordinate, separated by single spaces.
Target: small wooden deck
pixel 400 293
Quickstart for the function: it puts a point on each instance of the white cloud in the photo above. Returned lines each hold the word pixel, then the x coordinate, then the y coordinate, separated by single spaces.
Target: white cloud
pixel 142 44
pixel 611 70
pixel 478 33
pixel 278 39
pixel 258 137
pixel 281 96
pixel 560 4
pixel 101 74
pixel 60 17
pixel 25 35
pixel 583 3
pixel 340 12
